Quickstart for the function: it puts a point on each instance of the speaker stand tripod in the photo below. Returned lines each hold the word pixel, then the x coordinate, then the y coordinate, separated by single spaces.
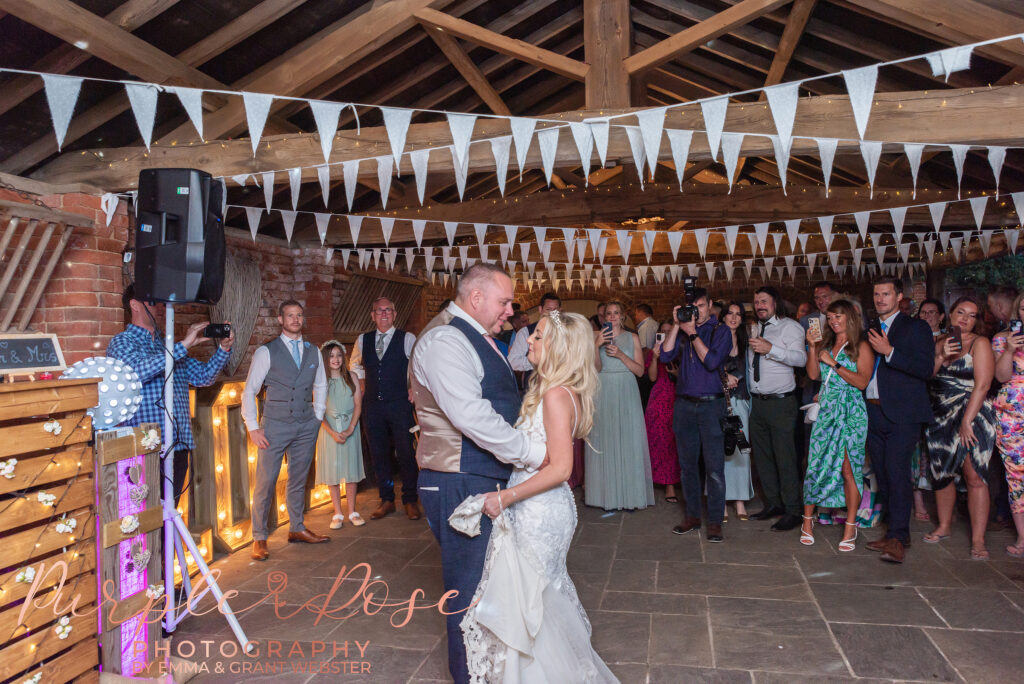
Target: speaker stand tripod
pixel 176 535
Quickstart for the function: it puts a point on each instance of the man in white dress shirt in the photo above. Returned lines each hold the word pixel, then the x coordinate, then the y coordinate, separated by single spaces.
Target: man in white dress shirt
pixel 380 359
pixel 293 371
pixel 467 403
pixel 549 302
pixel 772 354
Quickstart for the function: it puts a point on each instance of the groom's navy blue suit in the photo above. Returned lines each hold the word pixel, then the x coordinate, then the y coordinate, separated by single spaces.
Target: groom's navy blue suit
pixel 894 423
pixel 479 472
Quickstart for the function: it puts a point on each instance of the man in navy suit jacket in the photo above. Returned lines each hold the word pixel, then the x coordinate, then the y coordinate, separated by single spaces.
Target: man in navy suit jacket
pixel 898 405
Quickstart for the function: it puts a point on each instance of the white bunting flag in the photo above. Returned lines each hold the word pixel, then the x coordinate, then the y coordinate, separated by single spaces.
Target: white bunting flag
pixel 729 267
pixel 761 232
pixel 827 154
pixel 480 229
pixel 675 238
pixel 781 160
pixel 61 96
pixel 241 179
pixel 710 268
pixel 601 249
pixel 730 238
pixel 409 259
pixel 288 219
pixel 731 144
pixel 701 235
pixel 978 209
pixel 223 199
pixel 354 224
pixel 569 237
pixel 944 240
pixel 857 254
pixel 792 231
pixel 253 215
pixel 871 152
pixel 328 255
pixel 659 274
pixel 833 257
pixel 913 152
pixel 776 241
pixel 957 244
pixel 461 126
pixel 257 107
pixel 294 184
pixel 679 143
pixel 648 238
pixel 510 234
pixel 852 239
pixel 860 85
pixel 539 233
pixel 904 252
pixel 522 134
pixel 464 255
pixel 959 155
pixel 825 224
pixel 109 202
pixel 985 239
pixel 802 239
pixel 322 220
pixel 1012 235
pixel 599 132
pixel 636 146
pixel 651 122
pixel 880 253
pixel 268 188
pixel 1018 206
pixel 625 241
pixel 782 99
pixel 461 171
pixel 429 257
pixel 547 140
pixel 323 174
pixel 581 250
pixel 691 270
pixel 812 259
pixel 714 111
pixel 143 102
pixel 350 171
pixel 384 178
pixel 584 145
pixel 192 101
pixel 387 224
pixel 524 252
pixel 396 123
pixel 929 248
pixel 418 226
pixel 862 218
pixel 790 260
pixel 752 241
pixel 500 150
pixel 503 249
pixel 898 215
pixel 996 156
pixel 449 230
pixel 945 62
pixel 419 159
pixel 325 115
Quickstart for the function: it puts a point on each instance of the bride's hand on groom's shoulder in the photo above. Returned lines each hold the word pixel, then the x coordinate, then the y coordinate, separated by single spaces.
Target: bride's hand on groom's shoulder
pixel 492 505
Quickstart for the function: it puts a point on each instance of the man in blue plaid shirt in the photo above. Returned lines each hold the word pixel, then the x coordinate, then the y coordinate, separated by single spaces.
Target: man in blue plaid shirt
pixel 141 346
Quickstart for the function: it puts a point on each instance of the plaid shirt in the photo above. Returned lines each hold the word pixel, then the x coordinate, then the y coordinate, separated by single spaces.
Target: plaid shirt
pixel 145 353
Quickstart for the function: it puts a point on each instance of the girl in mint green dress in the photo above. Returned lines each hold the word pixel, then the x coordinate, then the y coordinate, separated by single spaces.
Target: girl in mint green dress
pixel 844 362
pixel 339 448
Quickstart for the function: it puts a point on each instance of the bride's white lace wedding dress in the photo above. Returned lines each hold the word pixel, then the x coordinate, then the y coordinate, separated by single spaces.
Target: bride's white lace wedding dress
pixel 527 623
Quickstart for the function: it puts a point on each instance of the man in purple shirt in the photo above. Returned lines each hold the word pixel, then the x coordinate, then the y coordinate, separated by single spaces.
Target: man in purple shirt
pixel 701 346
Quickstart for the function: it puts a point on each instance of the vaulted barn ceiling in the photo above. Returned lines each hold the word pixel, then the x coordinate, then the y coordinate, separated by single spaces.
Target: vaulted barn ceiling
pixel 525 58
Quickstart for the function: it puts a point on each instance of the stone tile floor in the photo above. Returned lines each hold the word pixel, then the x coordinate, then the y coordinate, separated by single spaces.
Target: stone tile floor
pixel 758 608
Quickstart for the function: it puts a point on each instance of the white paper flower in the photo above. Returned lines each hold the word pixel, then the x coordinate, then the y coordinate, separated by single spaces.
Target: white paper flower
pixel 129 524
pixel 34 679
pixel 63 628
pixel 46 499
pixel 155 591
pixel 26 575
pixel 7 468
pixel 151 440
pixel 53 427
pixel 66 525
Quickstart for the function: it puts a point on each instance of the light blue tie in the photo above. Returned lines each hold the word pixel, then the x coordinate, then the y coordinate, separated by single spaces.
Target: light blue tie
pixel 296 354
pixel 878 359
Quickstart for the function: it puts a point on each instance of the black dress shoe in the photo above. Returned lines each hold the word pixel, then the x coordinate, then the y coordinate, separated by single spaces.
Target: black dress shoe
pixel 714 533
pixel 786 522
pixel 689 525
pixel 767 513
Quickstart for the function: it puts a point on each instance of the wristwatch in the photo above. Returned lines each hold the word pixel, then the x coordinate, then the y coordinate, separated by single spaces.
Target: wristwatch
pixel 692 337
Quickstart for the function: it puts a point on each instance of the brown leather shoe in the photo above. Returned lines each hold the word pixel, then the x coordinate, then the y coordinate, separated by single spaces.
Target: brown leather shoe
pixel 413 511
pixel 385 508
pixel 259 550
pixel 878 545
pixel 893 552
pixel 307 536
pixel 689 524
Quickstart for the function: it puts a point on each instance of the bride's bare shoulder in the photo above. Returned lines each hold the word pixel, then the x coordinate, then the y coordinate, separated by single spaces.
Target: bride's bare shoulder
pixel 559 399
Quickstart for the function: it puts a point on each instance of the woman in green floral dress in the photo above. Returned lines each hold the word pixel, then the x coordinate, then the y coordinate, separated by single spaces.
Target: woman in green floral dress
pixel 845 363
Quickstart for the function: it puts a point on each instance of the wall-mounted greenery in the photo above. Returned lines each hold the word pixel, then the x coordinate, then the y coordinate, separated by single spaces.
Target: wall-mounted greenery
pixel 983 275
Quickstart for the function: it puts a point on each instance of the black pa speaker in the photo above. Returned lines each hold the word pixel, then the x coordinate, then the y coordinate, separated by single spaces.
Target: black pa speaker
pixel 179 241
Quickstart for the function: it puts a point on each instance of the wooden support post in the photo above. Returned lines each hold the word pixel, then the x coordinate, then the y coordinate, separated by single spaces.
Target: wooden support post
pixel 606 44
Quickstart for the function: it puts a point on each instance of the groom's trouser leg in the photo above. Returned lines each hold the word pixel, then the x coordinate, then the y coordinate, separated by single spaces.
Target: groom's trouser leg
pixel 462 557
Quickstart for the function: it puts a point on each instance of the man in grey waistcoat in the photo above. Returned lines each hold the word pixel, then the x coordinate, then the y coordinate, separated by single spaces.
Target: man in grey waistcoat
pixel 293 371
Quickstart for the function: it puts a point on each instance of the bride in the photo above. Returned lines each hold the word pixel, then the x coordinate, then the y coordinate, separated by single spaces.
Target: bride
pixel 526 623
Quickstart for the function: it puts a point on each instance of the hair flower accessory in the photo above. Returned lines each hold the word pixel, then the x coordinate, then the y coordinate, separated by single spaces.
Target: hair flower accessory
pixel 66 525
pixel 333 343
pixel 26 575
pixel 7 468
pixel 129 524
pixel 63 628
pixel 556 318
pixel 151 440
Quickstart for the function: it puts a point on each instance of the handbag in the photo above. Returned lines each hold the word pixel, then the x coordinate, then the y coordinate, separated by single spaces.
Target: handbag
pixel 814 407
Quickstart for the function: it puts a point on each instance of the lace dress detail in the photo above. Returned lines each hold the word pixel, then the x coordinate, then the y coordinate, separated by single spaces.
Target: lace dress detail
pixel 548 637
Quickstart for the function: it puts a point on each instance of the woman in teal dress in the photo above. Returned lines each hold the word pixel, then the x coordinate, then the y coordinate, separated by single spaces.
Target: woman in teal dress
pixel 339 449
pixel 844 362
pixel 617 460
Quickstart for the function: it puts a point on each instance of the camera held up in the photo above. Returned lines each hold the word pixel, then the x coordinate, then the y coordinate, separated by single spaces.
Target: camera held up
pixel 688 312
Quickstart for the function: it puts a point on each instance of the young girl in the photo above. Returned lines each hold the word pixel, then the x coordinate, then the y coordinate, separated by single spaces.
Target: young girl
pixel 339 450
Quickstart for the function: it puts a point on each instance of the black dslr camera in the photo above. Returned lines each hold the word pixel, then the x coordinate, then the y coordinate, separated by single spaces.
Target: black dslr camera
pixel 687 312
pixel 732 430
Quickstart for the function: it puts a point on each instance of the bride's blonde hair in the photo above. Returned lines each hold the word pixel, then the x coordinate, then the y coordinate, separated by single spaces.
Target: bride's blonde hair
pixel 568 361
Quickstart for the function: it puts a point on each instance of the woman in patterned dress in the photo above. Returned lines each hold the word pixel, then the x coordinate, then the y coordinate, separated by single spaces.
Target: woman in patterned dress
pixel 1009 407
pixel 844 362
pixel 660 438
pixel 962 434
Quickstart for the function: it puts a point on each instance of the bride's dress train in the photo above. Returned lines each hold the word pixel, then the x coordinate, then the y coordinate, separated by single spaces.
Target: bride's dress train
pixel 527 623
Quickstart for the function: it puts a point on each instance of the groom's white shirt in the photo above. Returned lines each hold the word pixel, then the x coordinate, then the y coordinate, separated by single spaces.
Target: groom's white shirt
pixel 446 364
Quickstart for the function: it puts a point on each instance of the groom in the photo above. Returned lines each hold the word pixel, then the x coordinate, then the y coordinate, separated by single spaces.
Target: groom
pixel 466 402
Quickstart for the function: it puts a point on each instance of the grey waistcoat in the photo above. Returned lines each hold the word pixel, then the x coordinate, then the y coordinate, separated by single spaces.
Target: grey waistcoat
pixel 289 389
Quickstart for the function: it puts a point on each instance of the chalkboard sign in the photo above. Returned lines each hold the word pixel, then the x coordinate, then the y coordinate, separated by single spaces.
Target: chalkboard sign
pixel 28 353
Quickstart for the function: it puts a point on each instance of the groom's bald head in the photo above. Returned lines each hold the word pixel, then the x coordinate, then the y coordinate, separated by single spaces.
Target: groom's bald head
pixel 485 292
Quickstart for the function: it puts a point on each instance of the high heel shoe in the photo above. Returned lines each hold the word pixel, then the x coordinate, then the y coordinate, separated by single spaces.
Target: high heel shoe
pixel 850 544
pixel 807 538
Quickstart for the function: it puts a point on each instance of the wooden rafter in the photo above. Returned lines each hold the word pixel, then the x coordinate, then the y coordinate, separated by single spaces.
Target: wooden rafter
pixel 798 16
pixel 559 64
pixel 690 38
pixel 470 71
pixel 607 40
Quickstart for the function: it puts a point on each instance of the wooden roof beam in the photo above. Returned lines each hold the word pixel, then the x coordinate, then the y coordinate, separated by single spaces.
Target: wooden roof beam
pixel 607 37
pixel 799 14
pixel 545 59
pixel 470 71
pixel 690 38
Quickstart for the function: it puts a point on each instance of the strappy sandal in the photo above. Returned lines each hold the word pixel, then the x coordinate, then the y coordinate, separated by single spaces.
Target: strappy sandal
pixel 932 538
pixel 807 538
pixel 979 555
pixel 848 545
pixel 1015 550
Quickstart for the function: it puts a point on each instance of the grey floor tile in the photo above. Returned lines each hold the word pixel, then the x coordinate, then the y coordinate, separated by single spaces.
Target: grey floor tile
pixel 664 604
pixel 590 558
pixel 620 637
pixel 435 666
pixel 590 587
pixel 889 605
pixel 917 570
pixel 665 547
pixel 790 678
pixel 673 674
pixel 596 534
pixel 981 656
pixel 968 608
pixel 894 652
pixel 1011 569
pixel 732 580
pixel 680 640
pixel 379 664
pixel 629 673
pixel 977 574
pixel 632 575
